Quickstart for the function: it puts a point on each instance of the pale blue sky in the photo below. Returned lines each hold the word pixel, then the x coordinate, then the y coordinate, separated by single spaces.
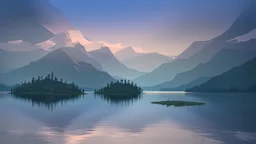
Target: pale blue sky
pixel 166 26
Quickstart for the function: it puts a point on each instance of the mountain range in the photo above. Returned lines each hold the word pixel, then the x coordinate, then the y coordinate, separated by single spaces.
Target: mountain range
pixel 11 60
pixel 145 62
pixel 36 39
pixel 244 24
pixel 233 55
pixel 126 53
pixel 240 78
pixel 112 65
pixel 64 65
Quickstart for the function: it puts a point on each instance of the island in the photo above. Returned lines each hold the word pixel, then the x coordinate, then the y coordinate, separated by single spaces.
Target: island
pixel 122 88
pixel 178 103
pixel 50 85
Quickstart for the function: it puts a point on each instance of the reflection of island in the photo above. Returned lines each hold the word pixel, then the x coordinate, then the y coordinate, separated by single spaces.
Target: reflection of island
pixel 122 91
pixel 49 102
pixel 120 99
pixel 49 86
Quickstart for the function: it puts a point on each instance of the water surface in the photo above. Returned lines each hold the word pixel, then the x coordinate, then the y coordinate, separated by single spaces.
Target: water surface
pixel 225 118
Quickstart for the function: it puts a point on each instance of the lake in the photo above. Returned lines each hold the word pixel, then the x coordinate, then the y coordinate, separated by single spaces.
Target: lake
pixel 89 119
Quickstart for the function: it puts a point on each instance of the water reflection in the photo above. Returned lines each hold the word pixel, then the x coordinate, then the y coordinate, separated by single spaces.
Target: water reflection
pixel 50 102
pixel 92 119
pixel 121 100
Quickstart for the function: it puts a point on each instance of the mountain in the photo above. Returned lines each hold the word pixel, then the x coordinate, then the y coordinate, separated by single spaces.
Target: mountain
pixel 240 78
pixel 194 48
pixel 244 24
pixel 234 55
pixel 30 20
pixel 79 54
pixel 166 72
pixel 11 60
pixel 112 65
pixel 192 84
pixel 126 53
pixel 64 65
pixel 146 62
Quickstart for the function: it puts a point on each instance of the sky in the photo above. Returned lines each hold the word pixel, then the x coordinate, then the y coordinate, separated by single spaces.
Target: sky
pixel 165 26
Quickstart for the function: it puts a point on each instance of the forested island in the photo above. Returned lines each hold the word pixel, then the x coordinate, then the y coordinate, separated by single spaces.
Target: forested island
pixel 50 85
pixel 123 88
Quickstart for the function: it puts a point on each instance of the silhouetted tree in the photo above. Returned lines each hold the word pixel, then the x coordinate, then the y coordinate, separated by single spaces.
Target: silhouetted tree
pixel 52 76
pixel 33 80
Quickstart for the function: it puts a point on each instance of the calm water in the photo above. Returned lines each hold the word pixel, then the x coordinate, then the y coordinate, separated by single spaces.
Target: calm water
pixel 226 118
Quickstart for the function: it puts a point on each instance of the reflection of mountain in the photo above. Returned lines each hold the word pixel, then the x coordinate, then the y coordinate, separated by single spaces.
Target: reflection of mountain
pixel 113 66
pixel 12 60
pixel 241 78
pixel 65 66
pixel 244 24
pixel 146 62
pixel 30 20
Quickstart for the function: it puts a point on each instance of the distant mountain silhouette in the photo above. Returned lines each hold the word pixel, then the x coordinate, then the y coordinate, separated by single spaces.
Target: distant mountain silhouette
pixel 194 48
pixel 241 78
pixel 234 55
pixel 79 54
pixel 30 20
pixel 185 87
pixel 165 72
pixel 127 53
pixel 112 65
pixel 11 60
pixel 64 66
pixel 244 24
pixel 146 62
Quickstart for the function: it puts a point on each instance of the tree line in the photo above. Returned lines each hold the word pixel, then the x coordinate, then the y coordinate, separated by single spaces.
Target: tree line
pixel 49 84
pixel 122 87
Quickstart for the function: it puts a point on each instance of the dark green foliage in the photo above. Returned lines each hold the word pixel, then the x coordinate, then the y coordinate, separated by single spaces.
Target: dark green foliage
pixel 49 85
pixel 178 103
pixel 4 87
pixel 122 88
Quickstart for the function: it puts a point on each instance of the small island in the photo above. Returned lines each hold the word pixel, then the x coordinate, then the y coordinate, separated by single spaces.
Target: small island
pixel 123 88
pixel 178 103
pixel 50 85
